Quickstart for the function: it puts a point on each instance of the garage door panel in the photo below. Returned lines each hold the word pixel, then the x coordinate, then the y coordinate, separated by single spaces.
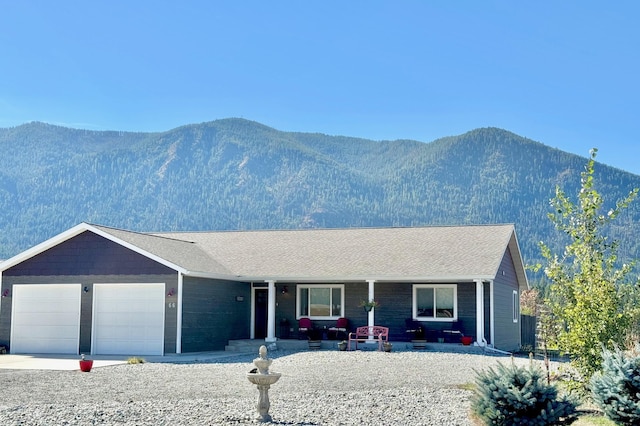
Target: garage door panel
pixel 45 318
pixel 52 332
pixel 130 333
pixel 128 319
pixel 50 306
pixel 48 346
pixel 135 347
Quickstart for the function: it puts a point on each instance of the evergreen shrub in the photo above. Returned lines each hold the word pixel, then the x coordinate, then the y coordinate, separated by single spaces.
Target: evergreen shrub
pixel 616 389
pixel 511 395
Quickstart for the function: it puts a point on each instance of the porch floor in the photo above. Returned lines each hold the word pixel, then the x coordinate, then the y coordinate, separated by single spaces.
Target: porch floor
pixel 294 345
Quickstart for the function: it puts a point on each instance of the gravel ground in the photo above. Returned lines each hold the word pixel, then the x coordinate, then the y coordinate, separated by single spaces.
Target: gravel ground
pixel 316 388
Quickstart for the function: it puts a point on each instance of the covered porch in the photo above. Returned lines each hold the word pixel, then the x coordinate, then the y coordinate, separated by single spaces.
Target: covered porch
pixel 464 308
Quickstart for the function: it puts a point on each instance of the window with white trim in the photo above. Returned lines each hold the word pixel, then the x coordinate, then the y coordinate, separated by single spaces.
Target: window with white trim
pixel 435 302
pixel 516 306
pixel 320 301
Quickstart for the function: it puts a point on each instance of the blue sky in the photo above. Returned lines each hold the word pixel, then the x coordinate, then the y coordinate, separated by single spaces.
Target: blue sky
pixel 562 73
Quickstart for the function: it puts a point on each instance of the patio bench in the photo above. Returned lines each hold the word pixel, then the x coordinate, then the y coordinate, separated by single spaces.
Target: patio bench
pixel 366 333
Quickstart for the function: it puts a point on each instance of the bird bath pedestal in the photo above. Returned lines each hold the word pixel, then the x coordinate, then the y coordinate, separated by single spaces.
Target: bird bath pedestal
pixel 261 377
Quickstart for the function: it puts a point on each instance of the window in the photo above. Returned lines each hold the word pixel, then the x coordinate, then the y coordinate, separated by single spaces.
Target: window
pixel 435 302
pixel 516 306
pixel 320 301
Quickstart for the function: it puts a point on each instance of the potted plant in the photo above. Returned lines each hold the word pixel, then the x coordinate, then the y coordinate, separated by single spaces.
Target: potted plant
pixel 466 340
pixel 368 305
pixel 419 339
pixel 342 345
pixel 85 364
pixel 315 338
pixel 387 346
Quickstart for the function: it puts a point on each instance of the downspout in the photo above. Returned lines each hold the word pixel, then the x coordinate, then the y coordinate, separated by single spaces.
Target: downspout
pixel 271 313
pixel 489 348
pixel 179 316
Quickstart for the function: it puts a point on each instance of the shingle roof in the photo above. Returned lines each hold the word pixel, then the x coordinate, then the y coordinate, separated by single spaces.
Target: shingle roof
pixel 437 252
pixel 443 253
pixel 180 252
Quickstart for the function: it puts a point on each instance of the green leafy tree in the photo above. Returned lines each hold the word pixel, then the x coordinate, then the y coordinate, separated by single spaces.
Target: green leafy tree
pixel 585 295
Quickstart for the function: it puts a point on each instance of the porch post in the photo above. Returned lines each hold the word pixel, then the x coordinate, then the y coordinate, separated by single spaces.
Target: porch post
pixel 271 312
pixel 479 312
pixel 179 316
pixel 492 324
pixel 371 320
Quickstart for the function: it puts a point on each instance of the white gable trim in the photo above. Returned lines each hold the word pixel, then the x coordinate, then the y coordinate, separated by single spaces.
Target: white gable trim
pixel 516 255
pixel 73 232
pixel 518 263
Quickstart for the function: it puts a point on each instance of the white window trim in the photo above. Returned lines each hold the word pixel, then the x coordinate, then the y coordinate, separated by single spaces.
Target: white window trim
pixel 436 286
pixel 316 317
pixel 516 306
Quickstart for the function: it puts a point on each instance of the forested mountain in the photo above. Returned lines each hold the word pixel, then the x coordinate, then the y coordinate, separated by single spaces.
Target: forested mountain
pixel 238 174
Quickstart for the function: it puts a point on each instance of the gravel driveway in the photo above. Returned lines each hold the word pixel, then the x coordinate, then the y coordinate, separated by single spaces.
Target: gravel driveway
pixel 316 388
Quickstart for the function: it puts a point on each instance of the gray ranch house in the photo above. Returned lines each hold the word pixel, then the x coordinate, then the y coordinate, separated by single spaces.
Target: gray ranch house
pixel 99 290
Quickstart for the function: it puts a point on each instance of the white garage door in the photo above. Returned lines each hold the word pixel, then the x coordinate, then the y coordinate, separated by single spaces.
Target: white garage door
pixel 128 319
pixel 45 318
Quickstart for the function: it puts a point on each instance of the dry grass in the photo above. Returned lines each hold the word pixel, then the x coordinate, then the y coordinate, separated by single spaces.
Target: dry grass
pixel 593 420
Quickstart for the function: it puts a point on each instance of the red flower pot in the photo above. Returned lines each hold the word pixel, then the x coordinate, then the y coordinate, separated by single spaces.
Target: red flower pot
pixel 466 340
pixel 85 365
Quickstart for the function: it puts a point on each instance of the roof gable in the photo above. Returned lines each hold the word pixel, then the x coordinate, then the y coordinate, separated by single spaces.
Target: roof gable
pixel 175 254
pixel 87 254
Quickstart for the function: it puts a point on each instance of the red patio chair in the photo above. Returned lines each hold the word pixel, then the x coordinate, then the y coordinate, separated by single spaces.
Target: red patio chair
pixel 339 331
pixel 304 326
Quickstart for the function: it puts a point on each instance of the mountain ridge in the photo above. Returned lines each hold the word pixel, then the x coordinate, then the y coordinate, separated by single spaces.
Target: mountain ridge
pixel 240 174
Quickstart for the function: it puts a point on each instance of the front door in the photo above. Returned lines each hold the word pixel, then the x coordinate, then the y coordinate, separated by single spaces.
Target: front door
pixel 261 306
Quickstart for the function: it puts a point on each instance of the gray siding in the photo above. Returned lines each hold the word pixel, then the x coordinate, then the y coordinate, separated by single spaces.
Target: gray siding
pixel 211 315
pixel 507 333
pixel 88 254
pixel 86 302
pixel 395 307
pixel 354 293
pixel 396 300
pixel 286 310
pixel 467 308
